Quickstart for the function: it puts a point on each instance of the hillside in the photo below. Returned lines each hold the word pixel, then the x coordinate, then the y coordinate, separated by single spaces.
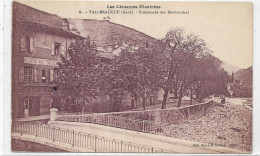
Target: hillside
pixel 230 68
pixel 104 33
pixel 28 13
pixel 245 76
pixel 243 84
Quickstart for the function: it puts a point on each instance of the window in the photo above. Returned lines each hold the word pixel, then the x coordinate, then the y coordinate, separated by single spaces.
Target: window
pixel 28 76
pixel 43 76
pixel 27 43
pixel 56 48
pixel 26 103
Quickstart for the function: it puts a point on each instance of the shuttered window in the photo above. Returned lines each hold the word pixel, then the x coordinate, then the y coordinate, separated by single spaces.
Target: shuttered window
pixel 52 48
pixel 51 75
pixel 62 52
pixel 31 44
pixel 21 74
pixel 43 76
pixel 56 48
pixel 28 74
pixel 22 43
pixel 26 43
pixel 36 73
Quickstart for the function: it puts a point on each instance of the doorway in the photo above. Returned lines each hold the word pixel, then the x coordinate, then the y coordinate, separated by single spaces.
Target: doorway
pixel 26 107
pixel 31 106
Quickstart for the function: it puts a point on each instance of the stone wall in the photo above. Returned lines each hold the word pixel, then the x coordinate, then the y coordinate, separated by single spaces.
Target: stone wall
pixel 28 146
pixel 171 115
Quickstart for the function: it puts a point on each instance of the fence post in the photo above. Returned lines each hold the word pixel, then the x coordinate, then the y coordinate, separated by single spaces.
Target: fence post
pixel 36 134
pixel 121 146
pixel 152 149
pixel 53 135
pixel 143 126
pixel 95 143
pixel 72 138
pixel 21 130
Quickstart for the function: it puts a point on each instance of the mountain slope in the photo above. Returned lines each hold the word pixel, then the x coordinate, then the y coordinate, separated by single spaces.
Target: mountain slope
pixel 104 33
pixel 245 76
pixel 230 68
pixel 243 83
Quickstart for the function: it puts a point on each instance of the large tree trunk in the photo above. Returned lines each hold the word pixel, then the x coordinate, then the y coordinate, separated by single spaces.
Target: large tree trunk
pixel 191 93
pixel 151 100
pixel 175 93
pixel 176 89
pixel 166 91
pixel 180 97
pixel 143 98
pixel 83 106
pixel 115 104
pixel 120 102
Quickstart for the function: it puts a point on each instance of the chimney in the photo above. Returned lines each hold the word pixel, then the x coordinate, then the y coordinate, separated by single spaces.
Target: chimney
pixel 65 24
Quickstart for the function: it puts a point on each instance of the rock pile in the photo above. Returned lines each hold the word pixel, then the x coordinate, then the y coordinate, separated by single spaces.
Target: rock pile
pixel 224 125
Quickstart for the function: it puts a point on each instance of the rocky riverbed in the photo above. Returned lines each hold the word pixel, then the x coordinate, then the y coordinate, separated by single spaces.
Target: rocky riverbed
pixel 224 125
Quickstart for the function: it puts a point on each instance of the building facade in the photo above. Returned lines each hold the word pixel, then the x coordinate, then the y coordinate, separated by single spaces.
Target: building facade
pixel 37 47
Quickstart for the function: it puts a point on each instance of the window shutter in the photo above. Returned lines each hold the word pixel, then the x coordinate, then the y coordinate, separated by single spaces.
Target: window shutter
pixel 31 44
pixel 62 50
pixel 22 43
pixel 52 48
pixel 36 73
pixel 51 75
pixel 21 74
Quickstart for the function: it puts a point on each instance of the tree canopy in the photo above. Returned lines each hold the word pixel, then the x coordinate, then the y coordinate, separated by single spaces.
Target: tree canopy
pixel 185 66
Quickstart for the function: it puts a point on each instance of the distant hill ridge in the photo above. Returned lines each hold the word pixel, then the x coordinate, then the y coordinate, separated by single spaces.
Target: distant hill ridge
pixel 243 83
pixel 230 68
pixel 245 75
pixel 104 32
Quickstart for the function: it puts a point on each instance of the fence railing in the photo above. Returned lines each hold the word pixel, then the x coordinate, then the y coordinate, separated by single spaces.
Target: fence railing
pixel 88 141
pixel 119 122
pixel 73 113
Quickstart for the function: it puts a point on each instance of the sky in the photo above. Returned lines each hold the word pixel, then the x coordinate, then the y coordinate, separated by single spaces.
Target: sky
pixel 226 27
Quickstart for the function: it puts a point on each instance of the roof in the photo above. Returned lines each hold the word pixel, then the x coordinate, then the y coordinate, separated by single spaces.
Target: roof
pixel 43 27
pixel 21 11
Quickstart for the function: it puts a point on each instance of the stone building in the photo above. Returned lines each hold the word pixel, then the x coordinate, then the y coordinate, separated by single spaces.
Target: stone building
pixel 39 40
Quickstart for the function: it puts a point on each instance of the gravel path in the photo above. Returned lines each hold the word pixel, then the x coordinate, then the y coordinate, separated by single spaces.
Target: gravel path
pixel 227 126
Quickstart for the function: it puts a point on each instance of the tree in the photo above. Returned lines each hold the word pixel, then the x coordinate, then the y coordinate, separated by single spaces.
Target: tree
pixel 78 75
pixel 147 64
pixel 173 42
pixel 119 78
pixel 213 80
pixel 179 51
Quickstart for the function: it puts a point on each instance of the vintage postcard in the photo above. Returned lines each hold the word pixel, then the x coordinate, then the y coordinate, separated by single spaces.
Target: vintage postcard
pixel 132 77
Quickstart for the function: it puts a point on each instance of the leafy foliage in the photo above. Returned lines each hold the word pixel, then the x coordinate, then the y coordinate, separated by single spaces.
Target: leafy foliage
pixel 78 75
pixel 184 66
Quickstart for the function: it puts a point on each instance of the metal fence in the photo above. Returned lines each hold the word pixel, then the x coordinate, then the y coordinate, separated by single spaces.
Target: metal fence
pixel 73 113
pixel 119 122
pixel 88 141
